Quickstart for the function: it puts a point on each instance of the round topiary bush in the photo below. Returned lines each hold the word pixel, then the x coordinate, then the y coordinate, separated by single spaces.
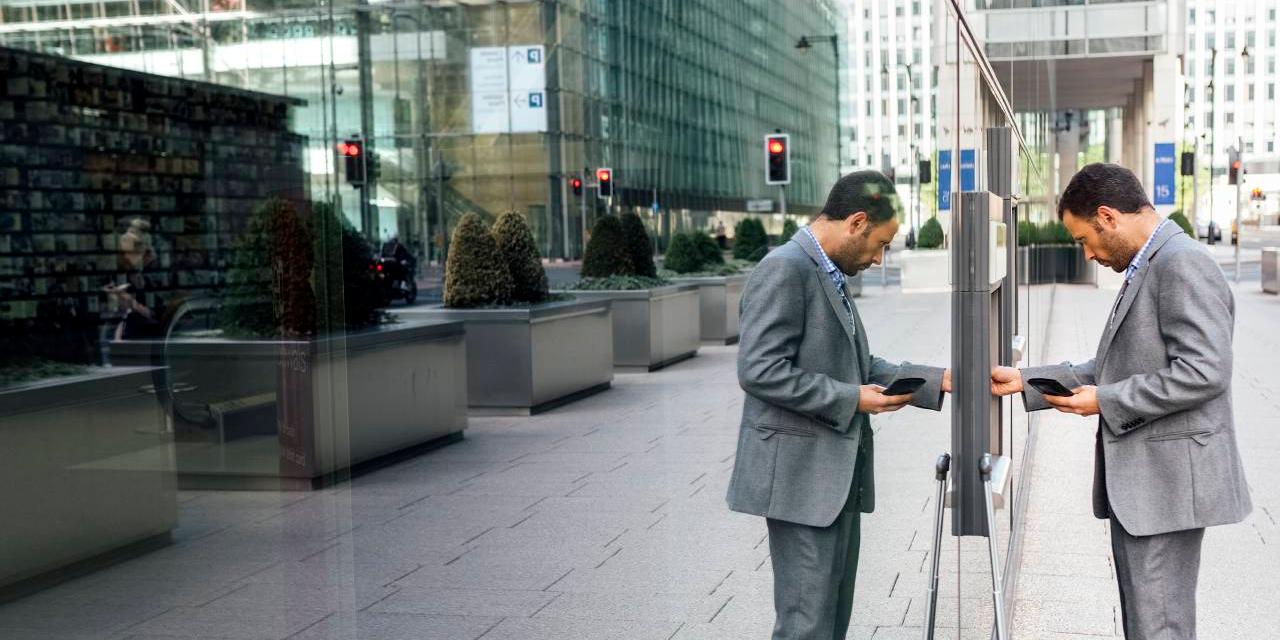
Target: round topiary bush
pixel 475 274
pixel 639 246
pixel 269 290
pixel 708 251
pixel 683 256
pixel 520 253
pixel 750 242
pixel 789 229
pixel 1181 221
pixel 344 285
pixel 607 253
pixel 931 235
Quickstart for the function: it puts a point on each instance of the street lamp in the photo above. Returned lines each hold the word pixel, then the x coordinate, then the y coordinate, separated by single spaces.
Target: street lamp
pixel 911 143
pixel 803 45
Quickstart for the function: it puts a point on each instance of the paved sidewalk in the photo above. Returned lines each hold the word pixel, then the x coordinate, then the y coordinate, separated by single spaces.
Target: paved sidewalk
pixel 1067 589
pixel 604 519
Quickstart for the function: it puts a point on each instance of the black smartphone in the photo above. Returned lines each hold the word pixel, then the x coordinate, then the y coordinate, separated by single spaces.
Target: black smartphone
pixel 903 386
pixel 1050 387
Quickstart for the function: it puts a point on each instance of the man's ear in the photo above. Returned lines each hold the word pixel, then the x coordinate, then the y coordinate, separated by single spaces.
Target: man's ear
pixel 857 222
pixel 1108 217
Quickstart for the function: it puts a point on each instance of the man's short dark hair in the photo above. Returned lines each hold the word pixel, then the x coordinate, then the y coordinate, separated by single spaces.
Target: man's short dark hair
pixel 869 191
pixel 1101 184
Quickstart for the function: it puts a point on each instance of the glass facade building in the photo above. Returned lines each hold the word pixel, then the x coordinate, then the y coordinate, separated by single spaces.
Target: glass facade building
pixel 493 107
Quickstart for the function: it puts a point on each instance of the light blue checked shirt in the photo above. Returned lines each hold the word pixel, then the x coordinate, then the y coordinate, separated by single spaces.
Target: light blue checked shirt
pixel 1136 263
pixel 1132 269
pixel 837 276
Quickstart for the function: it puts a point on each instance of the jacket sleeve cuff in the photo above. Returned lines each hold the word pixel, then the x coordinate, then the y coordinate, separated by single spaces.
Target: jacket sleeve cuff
pixel 930 396
pixel 1117 419
pixel 841 416
pixel 1032 399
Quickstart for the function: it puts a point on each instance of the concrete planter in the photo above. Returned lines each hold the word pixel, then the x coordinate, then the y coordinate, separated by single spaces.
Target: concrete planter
pixel 301 414
pixel 652 328
pixel 925 270
pixel 1271 270
pixel 533 359
pixel 718 300
pixel 1061 264
pixel 88 474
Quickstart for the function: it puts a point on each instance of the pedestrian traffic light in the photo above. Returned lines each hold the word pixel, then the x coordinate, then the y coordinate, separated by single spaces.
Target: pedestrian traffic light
pixel 352 152
pixel 576 184
pixel 926 172
pixel 605 179
pixel 777 164
pixel 1188 163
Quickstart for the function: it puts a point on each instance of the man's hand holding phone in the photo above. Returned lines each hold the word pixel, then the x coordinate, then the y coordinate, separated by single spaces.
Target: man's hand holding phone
pixel 874 400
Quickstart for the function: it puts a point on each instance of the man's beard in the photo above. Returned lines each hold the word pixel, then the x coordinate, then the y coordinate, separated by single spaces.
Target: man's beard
pixel 848 260
pixel 1121 254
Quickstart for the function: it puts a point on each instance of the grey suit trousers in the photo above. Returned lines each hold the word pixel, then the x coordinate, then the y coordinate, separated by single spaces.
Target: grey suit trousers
pixel 813 572
pixel 1157 576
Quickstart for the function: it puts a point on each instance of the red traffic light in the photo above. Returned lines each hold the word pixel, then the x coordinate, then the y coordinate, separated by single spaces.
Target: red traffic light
pixel 576 183
pixel 349 149
pixel 776 146
pixel 604 175
pixel 1236 165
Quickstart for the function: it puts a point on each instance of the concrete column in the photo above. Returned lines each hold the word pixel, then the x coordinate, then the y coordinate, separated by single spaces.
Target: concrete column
pixel 1165 108
pixel 1115 134
pixel 1067 147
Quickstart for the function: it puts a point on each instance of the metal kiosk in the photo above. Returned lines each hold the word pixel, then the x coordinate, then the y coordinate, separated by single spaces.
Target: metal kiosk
pixel 983 303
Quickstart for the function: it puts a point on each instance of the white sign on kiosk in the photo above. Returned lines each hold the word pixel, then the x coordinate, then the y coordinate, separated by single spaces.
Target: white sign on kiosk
pixel 508 89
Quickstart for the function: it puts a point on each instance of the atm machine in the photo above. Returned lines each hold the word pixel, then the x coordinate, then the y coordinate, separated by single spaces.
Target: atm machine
pixel 983 323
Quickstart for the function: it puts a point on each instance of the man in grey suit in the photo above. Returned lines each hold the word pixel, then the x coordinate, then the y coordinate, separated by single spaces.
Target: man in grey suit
pixel 804 458
pixel 1166 463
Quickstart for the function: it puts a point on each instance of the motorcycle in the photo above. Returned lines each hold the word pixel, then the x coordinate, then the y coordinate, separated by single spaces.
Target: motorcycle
pixel 395 279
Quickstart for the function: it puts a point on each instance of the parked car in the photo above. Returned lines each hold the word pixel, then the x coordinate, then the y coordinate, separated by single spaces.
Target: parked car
pixel 1204 228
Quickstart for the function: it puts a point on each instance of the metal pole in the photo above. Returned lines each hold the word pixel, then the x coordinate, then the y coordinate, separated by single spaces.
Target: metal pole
pixel 1239 183
pixel 1195 183
pixel 583 207
pixel 1213 125
pixel 997 590
pixel 940 473
pixel 782 200
pixel 835 49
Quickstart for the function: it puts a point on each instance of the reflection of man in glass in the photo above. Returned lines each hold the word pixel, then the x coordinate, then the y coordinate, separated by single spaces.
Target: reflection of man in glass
pixel 128 295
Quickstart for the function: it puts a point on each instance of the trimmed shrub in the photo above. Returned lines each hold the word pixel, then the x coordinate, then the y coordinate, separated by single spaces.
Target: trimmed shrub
pixel 344 285
pixel 683 256
pixel 618 283
pixel 1028 233
pixel 1181 220
pixel 520 253
pixel 269 282
pixel 789 229
pixel 607 253
pixel 708 250
pixel 931 235
pixel 475 274
pixel 750 242
pixel 639 246
pixel 1055 233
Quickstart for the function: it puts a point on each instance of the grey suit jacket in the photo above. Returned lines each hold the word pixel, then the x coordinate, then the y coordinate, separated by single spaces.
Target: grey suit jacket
pixel 1167 456
pixel 801 364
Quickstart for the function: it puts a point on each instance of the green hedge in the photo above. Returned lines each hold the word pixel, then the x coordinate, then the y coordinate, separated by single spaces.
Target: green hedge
pixel 931 236
pixel 520 252
pixel 639 246
pixel 475 273
pixel 682 254
pixel 750 242
pixel 607 252
pixel 708 248
pixel 789 229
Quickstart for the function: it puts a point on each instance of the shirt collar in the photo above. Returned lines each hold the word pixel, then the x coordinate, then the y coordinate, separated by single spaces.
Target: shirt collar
pixel 1138 259
pixel 827 265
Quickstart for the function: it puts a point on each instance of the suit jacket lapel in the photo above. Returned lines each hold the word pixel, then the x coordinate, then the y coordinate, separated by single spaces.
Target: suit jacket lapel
pixel 1131 291
pixel 828 287
pixel 860 341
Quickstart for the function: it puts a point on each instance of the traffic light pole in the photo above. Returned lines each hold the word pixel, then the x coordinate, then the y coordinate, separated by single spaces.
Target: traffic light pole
pixel 1237 231
pixel 782 201
pixel 582 204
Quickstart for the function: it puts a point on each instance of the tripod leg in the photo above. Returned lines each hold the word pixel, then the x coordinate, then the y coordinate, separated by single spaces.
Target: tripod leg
pixel 941 468
pixel 997 589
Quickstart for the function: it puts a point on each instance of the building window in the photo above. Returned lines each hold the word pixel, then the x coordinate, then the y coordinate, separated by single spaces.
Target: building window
pixel 1210 41
pixel 1271 38
pixel 1248 64
pixel 1250 92
pixel 1231 92
pixel 1250 38
pixel 868 109
pixel 1271 146
pixel 902 105
pixel 900 11
pixel 1271 91
pixel 1191 16
pixel 915 8
pixel 1271 15
pixel 1230 118
pixel 1231 40
pixel 1208 67
pixel 1231 66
